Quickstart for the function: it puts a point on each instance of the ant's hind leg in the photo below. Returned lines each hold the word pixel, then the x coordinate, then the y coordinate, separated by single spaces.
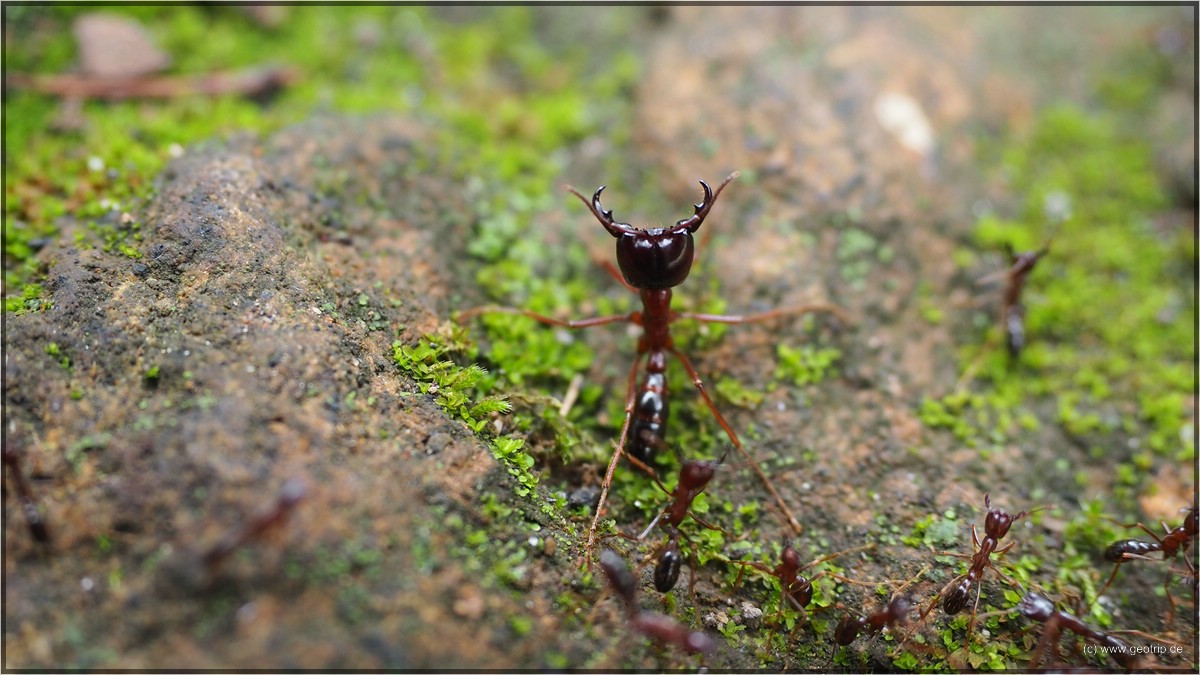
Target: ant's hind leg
pixel 737 443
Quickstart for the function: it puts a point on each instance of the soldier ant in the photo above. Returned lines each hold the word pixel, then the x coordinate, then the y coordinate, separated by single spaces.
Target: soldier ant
pixel 954 594
pixel 661 629
pixel 653 261
pixel 37 525
pixel 1175 540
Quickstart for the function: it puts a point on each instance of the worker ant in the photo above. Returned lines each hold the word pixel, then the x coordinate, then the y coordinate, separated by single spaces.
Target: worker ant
pixel 1037 608
pixel 653 261
pixel 1012 312
pixel 33 518
pixel 661 629
pixel 1170 544
pixel 794 588
pixel 954 595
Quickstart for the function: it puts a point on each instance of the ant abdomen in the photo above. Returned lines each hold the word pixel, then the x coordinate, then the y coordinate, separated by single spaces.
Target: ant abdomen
pixel 650 418
pixel 956 599
pixel 847 630
pixel 666 571
pixel 800 592
pixel 1117 551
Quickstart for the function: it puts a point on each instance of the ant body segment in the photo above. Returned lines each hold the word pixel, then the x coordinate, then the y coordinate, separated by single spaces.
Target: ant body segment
pixel 37 525
pixel 653 261
pixel 661 629
pixel 1170 544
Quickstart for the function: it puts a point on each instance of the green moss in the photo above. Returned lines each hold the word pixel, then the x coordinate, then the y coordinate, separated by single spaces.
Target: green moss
pixel 805 365
pixel 1129 335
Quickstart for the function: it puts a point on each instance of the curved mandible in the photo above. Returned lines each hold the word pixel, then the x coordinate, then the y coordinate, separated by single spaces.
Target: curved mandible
pixel 692 224
pixel 604 216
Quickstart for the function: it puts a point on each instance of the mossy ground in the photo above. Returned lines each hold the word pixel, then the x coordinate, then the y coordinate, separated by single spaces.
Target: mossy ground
pixel 869 430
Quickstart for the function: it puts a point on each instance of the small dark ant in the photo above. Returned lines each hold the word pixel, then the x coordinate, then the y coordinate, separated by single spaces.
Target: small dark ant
pixel 694 477
pixel 660 629
pixel 290 495
pixel 37 525
pixel 652 262
pixel 795 588
pixel 1175 540
pixel 1037 608
pixel 1012 312
pixel 954 595
pixel 895 614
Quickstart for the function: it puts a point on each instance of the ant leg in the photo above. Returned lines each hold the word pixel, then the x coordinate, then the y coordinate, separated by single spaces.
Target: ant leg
pixel 766 316
pixel 974 611
pixel 687 365
pixel 616 274
pixel 630 396
pixel 633 317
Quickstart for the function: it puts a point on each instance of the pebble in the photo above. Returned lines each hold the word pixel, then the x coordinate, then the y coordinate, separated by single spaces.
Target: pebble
pixel 751 615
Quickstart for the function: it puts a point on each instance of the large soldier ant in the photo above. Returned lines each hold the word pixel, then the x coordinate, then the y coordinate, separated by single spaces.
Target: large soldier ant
pixel 954 595
pixel 661 629
pixel 653 261
pixel 37 526
pixel 1175 540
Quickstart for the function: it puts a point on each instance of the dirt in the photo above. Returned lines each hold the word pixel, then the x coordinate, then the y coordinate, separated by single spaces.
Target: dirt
pixel 251 345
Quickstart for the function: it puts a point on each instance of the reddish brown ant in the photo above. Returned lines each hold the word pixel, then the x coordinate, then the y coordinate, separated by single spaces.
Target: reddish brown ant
pixel 1037 608
pixel 1175 540
pixel 33 518
pixel 661 629
pixel 290 495
pixel 794 588
pixel 1012 312
pixel 694 477
pixel 954 595
pixel 895 614
pixel 652 262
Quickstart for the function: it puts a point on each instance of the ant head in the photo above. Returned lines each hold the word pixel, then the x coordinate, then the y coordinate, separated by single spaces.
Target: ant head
pixel 789 556
pixel 695 474
pixel 1036 607
pixel 901 605
pixel 660 257
pixel 1191 524
pixel 999 521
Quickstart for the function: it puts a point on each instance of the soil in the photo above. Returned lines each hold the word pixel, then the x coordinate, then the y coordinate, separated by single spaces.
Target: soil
pixel 252 346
